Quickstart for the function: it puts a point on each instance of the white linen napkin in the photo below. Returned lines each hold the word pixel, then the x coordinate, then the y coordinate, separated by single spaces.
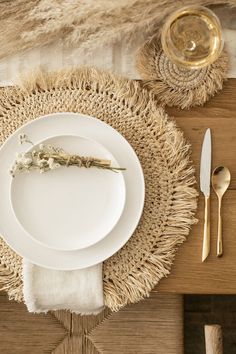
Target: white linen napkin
pixel 80 291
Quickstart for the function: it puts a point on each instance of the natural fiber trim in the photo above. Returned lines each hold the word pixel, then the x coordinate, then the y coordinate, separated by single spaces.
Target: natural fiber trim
pixel 170 202
pixel 178 221
pixel 10 273
pixel 175 86
pixel 87 24
pixel 11 283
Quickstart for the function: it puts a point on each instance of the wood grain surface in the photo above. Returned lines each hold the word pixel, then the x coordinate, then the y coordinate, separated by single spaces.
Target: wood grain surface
pixel 153 326
pixel 216 275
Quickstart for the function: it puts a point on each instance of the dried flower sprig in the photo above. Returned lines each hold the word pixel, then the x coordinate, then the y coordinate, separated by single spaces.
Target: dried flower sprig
pixel 48 157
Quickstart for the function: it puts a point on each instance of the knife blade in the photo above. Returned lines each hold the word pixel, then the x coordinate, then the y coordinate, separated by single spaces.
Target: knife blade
pixel 205 169
pixel 205 182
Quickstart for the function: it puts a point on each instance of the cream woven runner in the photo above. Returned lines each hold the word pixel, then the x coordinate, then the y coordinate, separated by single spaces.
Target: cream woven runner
pixel 170 202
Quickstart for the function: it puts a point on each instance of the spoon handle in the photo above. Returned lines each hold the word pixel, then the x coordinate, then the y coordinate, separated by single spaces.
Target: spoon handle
pixel 219 237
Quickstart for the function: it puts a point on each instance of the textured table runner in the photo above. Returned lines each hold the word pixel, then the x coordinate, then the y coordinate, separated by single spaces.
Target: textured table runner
pixel 170 202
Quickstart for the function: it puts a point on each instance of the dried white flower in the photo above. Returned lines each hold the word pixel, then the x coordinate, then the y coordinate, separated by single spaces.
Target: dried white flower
pixel 19 155
pixel 43 163
pixel 26 161
pixel 48 157
pixel 51 163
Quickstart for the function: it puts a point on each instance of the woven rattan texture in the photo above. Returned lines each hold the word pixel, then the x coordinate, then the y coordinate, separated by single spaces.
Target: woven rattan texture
pixel 177 86
pixel 170 199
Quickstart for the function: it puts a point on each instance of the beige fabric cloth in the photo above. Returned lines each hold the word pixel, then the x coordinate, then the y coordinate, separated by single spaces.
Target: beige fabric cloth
pixel 80 291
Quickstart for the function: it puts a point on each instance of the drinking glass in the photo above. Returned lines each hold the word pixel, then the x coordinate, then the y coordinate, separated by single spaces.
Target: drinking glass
pixel 192 37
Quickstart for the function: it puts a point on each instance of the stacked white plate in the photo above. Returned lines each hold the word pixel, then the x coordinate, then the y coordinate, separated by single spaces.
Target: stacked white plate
pixel 70 218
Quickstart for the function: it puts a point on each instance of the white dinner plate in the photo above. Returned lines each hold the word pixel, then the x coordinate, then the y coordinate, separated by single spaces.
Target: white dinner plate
pixel 69 208
pixel 78 125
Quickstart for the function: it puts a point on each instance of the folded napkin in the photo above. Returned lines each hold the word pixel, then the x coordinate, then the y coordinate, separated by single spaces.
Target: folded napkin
pixel 80 291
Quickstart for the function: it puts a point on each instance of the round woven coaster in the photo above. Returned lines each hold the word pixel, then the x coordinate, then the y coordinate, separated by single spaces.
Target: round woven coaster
pixel 177 86
pixel 170 202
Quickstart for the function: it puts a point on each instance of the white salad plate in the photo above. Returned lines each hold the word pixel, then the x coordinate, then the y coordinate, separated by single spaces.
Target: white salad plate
pixel 69 208
pixel 13 227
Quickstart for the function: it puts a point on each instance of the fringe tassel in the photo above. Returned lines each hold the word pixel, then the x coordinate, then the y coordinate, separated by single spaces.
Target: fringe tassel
pixel 173 86
pixel 134 281
pixel 11 282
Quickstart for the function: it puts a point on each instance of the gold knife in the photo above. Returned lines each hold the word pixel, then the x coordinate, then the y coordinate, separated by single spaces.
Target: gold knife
pixel 205 182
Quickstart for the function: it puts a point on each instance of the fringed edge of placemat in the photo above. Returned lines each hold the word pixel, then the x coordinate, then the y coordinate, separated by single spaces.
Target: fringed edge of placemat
pixel 158 266
pixel 181 215
pixel 11 280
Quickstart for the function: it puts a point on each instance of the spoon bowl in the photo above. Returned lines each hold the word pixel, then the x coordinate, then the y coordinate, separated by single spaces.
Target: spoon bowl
pixel 220 182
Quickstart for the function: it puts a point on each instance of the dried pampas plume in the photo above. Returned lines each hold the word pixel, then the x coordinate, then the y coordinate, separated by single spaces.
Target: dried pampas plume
pixel 26 24
pixel 176 86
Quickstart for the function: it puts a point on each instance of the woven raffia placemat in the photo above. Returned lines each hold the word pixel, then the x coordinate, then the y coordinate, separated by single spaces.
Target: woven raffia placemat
pixel 170 199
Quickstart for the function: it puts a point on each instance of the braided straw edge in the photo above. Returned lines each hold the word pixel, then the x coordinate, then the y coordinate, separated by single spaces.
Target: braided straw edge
pixel 181 216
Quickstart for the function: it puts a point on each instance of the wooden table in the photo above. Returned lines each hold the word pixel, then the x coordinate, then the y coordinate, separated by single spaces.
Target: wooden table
pixel 154 325
pixel 216 275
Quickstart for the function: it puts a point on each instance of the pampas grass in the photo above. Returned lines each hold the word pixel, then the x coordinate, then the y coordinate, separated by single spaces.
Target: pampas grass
pixel 27 24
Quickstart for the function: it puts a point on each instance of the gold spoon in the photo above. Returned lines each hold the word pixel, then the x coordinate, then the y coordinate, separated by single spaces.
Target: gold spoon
pixel 220 182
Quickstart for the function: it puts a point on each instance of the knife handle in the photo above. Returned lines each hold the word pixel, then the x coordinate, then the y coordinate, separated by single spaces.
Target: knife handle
pixel 206 235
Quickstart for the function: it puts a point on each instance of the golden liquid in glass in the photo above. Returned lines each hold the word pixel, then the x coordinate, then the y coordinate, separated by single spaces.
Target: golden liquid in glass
pixel 192 37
